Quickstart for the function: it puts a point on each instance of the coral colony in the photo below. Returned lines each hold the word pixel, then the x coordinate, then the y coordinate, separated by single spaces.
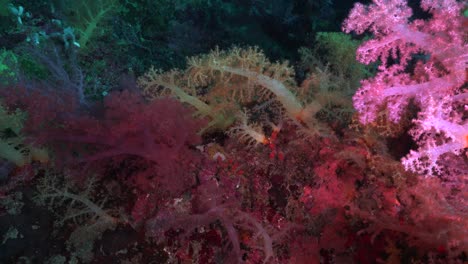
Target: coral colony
pixel 354 153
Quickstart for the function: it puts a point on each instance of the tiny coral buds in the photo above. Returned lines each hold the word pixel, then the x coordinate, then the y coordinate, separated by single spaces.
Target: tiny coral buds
pixel 306 195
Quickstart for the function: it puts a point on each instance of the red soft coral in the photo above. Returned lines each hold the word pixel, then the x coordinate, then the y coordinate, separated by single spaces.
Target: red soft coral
pixel 149 145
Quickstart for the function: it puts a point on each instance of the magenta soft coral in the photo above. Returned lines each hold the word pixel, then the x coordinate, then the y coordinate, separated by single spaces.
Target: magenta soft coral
pixel 216 199
pixel 435 84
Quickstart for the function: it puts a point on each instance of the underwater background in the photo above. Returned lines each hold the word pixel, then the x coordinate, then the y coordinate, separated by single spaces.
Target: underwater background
pixel 220 131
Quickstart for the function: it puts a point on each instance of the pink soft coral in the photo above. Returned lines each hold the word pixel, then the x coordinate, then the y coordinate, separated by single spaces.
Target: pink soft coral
pixel 436 83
